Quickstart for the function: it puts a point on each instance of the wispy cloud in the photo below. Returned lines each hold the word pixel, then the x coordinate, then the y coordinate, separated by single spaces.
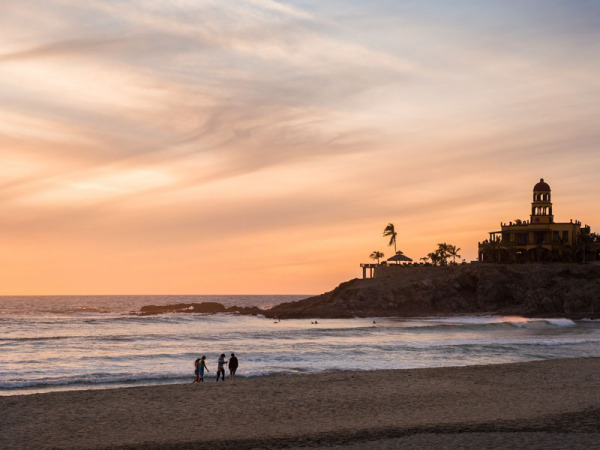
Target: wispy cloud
pixel 190 123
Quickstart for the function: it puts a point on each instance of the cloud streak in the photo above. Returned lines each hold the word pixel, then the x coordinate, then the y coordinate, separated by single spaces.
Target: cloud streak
pixel 286 127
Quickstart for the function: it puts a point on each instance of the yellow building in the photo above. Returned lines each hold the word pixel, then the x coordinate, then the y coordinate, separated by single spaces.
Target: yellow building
pixel 540 238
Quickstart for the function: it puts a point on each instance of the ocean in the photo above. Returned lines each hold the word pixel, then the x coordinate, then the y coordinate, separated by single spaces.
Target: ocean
pixel 91 342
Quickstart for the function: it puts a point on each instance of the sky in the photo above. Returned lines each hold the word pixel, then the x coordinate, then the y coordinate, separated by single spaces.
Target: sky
pixel 261 146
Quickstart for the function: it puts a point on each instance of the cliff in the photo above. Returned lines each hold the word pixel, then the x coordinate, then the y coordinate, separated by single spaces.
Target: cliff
pixel 569 290
pixel 566 290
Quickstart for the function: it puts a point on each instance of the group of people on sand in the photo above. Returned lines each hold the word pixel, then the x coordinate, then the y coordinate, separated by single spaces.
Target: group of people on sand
pixel 200 367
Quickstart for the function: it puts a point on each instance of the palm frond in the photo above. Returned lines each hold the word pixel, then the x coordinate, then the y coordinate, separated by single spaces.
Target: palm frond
pixel 389 230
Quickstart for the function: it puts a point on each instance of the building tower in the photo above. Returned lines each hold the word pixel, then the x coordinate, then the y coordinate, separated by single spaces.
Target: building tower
pixel 541 207
pixel 540 239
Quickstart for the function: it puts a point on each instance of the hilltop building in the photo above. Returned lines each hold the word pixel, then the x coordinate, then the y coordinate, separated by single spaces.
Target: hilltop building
pixel 540 238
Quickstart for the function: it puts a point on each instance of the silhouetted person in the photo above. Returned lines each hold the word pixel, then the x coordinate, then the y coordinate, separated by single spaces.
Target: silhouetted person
pixel 233 365
pixel 221 367
pixel 201 365
pixel 197 370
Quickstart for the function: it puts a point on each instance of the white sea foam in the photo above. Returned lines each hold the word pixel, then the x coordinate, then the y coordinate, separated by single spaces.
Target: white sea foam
pixel 516 321
pixel 560 322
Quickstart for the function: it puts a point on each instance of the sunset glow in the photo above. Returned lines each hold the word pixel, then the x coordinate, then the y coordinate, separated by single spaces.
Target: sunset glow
pixel 261 147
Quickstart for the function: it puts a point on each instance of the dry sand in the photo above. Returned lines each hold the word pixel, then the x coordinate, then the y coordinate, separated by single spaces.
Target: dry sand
pixel 545 404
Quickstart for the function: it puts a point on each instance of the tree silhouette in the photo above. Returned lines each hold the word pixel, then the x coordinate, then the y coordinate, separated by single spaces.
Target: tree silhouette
pixel 443 253
pixel 584 241
pixel 391 232
pixel 376 255
pixel 453 251
pixel 434 257
pixel 492 249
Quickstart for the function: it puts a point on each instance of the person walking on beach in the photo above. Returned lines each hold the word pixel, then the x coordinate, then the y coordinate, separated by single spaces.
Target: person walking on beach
pixel 233 365
pixel 197 370
pixel 221 367
pixel 200 365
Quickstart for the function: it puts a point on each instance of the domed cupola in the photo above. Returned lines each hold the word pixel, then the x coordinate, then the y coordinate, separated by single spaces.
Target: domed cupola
pixel 541 208
pixel 542 186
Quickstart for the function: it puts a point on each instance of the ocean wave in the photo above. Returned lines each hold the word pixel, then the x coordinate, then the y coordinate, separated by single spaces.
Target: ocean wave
pixel 106 379
pixel 229 336
pixel 91 337
pixel 128 357
pixel 35 339
pixel 480 343
pixel 560 322
pixel 476 320
pixel 562 342
pixel 52 353
pixel 515 321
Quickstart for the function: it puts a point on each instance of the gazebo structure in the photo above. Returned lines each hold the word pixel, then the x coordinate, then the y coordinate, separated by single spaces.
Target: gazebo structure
pixel 369 269
pixel 398 257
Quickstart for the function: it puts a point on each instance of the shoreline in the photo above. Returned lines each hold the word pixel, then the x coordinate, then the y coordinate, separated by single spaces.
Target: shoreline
pixel 212 308
pixel 343 345
pixel 127 382
pixel 334 408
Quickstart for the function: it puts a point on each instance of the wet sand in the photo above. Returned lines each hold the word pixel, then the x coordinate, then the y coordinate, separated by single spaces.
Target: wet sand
pixel 545 404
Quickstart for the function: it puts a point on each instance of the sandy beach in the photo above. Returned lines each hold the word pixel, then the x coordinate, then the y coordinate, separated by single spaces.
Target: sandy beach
pixel 545 404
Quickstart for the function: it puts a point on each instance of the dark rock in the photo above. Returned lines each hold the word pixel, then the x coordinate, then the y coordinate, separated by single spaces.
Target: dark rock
pixel 246 310
pixel 568 290
pixel 204 307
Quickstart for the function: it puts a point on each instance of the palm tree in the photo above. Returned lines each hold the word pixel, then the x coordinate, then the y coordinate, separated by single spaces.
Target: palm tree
pixel 496 248
pixel 376 255
pixel 453 251
pixel 486 251
pixel 443 253
pixel 595 238
pixel 434 257
pixel 390 231
pixel 491 250
pixel 584 241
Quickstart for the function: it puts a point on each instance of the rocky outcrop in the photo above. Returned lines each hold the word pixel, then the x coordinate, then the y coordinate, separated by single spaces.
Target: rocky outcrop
pixel 204 307
pixel 567 290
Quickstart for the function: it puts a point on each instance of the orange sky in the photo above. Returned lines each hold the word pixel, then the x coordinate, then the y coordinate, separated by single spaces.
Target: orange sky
pixel 261 147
